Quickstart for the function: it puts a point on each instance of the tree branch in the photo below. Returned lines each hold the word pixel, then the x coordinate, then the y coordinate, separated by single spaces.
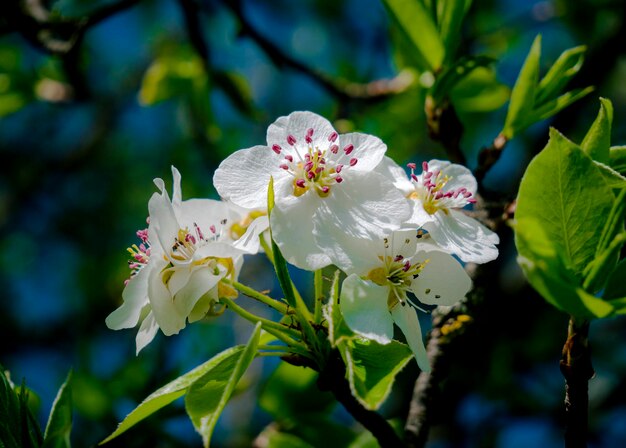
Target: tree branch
pixel 577 369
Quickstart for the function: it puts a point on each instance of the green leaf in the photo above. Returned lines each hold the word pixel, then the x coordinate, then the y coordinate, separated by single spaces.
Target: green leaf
pixel 547 110
pixel 600 268
pixel 208 395
pixel 337 327
pixel 277 439
pixel 450 24
pixel 615 285
pixel 597 142
pixel 173 390
pixel 617 158
pixel 564 191
pixel 291 391
pixel 457 72
pixel 566 66
pixel 523 94
pixel 57 434
pixel 612 178
pixel 479 91
pixel 18 426
pixel 542 262
pixel 372 368
pixel 417 24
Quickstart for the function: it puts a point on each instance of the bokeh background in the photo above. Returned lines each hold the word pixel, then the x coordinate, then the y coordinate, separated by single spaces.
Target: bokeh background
pixel 154 83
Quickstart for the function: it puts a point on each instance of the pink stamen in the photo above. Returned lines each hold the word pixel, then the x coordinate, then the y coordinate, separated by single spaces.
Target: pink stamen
pixel 300 183
pixel 189 238
pixel 407 266
pixel 439 195
pixel 398 258
pixel 353 161
pixel 411 165
pixel 291 140
pixel 333 137
pixel 276 148
pixel 285 167
pixel 414 177
pixel 472 201
pixel 198 231
pixel 310 175
pixel 338 168
pixel 348 149
pixel 289 158
pixel 338 179
pixel 425 166
pixel 325 189
pixel 467 194
pixel 308 139
pixel 212 229
pixel 334 149
pixel 428 175
pixel 319 169
pixel 309 132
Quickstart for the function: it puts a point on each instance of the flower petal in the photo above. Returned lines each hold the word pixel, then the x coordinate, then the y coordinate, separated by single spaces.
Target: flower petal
pixel 405 317
pixel 243 177
pixel 364 308
pixel 352 255
pixel 200 281
pixel 396 174
pixel 177 196
pixel 147 331
pixel 165 313
pixel 443 281
pixel 135 297
pixel 297 124
pixel 463 236
pixel 249 241
pixel 460 176
pixel 368 150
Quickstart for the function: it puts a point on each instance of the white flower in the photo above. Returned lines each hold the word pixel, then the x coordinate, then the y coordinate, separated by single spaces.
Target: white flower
pixel 437 195
pixel 381 273
pixel 177 269
pixel 323 182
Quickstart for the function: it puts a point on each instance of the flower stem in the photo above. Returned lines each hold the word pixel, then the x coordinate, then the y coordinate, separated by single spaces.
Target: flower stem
pixel 254 294
pixel 318 283
pixel 577 369
pixel 280 331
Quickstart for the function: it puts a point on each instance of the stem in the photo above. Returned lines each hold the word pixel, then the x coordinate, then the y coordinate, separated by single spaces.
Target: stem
pixel 267 248
pixel 256 295
pixel 333 378
pixel 318 283
pixel 282 332
pixel 577 369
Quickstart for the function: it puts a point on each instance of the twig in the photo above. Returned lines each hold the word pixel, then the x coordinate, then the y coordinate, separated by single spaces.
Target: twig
pixel 488 157
pixel 333 378
pixel 444 126
pixel 577 369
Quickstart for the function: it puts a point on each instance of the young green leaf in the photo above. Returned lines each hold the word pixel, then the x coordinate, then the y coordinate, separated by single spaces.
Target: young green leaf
pixel 417 24
pixel 208 395
pixel 597 142
pixel 612 178
pixel 18 426
pixel 523 94
pixel 566 66
pixel 564 191
pixel 550 108
pixel 372 368
pixel 173 390
pixel 456 73
pixel 615 285
pixel 617 159
pixel 600 268
pixel 479 91
pixel 542 261
pixel 450 23
pixel 57 434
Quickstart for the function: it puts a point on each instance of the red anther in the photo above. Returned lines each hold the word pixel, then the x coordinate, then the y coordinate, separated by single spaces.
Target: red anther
pixel 308 139
pixel 338 179
pixel 334 149
pixel 472 201
pixel 439 195
pixel 428 175
pixel 414 177
pixel 319 169
pixel 308 166
pixel 284 166
pixel 309 132
pixel 425 166
pixel 398 258
pixel 348 149
pixel 289 158
pixel 212 229
pixel 407 266
pixel 325 189
pixel 353 161
pixel 411 166
pixel 338 168
pixel 276 148
pixel 333 137
pixel 300 183
pixel 189 238
pixel 291 140
pixel 467 194
pixel 310 175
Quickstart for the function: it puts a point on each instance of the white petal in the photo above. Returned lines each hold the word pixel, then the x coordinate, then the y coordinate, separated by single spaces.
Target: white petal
pixel 292 229
pixel 201 281
pixel 352 255
pixel 165 313
pixel 419 217
pixel 463 236
pixel 405 317
pixel 204 213
pixel 243 177
pixel 220 249
pixel 249 241
pixel 135 297
pixel 147 331
pixel 163 227
pixel 403 242
pixel 443 281
pixel 364 206
pixel 297 124
pixel 396 174
pixel 178 280
pixel 368 150
pixel 364 308
pixel 460 176
pixel 177 196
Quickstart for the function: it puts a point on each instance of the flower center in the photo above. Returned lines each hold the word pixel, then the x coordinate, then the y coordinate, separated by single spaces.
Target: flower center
pixel 315 168
pixel 186 243
pixel 430 189
pixel 397 273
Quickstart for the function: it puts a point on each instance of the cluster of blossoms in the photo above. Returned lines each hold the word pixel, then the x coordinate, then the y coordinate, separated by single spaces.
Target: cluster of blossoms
pixel 338 201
